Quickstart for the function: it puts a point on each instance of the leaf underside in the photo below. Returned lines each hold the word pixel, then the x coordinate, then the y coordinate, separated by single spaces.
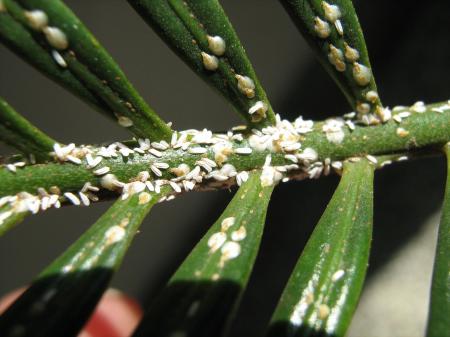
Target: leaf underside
pixel 72 285
pixel 323 290
pixel 202 296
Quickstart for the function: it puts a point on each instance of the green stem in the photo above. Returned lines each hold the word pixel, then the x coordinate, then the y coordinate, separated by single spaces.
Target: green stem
pixel 421 131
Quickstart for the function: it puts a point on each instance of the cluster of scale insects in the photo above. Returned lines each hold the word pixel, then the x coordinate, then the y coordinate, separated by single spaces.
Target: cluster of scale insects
pixel 211 153
pixel 213 150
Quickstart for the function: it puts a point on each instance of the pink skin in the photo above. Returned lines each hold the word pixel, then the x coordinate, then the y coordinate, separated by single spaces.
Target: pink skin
pixel 117 315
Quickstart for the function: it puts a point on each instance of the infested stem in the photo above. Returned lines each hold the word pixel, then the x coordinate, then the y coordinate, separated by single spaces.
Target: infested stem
pixel 420 131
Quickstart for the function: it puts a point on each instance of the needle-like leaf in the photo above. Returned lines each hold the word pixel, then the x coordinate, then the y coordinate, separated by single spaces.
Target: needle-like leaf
pixel 201 34
pixel 16 37
pixel 333 31
pixel 323 290
pixel 10 218
pixel 61 299
pixel 18 132
pixel 438 317
pixel 202 295
pixel 43 31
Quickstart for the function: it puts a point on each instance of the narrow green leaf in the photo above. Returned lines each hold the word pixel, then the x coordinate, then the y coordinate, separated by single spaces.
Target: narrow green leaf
pixel 202 295
pixel 18 132
pixel 333 31
pixel 323 290
pixel 74 282
pixel 15 36
pixel 439 313
pixel 9 218
pixel 63 36
pixel 201 34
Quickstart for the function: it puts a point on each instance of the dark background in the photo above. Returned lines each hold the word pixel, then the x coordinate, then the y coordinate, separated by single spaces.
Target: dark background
pixel 409 48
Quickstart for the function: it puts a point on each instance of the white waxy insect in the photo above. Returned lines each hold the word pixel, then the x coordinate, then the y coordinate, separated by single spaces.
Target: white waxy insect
pixel 188 185
pixel 181 170
pixel 350 125
pixel 372 159
pixel 59 59
pixel 227 223
pixel 197 150
pixel 337 275
pixel 404 114
pixel 210 62
pixel 339 27
pixel 159 146
pixel 216 44
pixel 218 176
pixel 350 115
pixel 337 165
pixel 37 19
pixel 246 85
pixel 114 234
pixel 324 311
pixel 351 54
pixel 308 154
pixel 72 198
pixel 239 235
pixel 419 107
pixel 372 96
pixel 204 165
pixel 144 198
pixel 363 108
pixel 241 177
pixel 332 12
pixel 336 58
pixel 216 241
pixel 292 146
pixel 11 167
pixel 124 121
pixel 243 150
pixel 230 250
pixel 322 28
pixel 56 37
pixel 74 159
pixel 259 108
pixel 155 152
pixel 93 162
pixel 101 171
pixel 175 186
pixel 156 170
pixel 125 151
pixel 84 199
pixel 134 187
pixel 210 162
pixel 401 132
pixel 161 165
pixel 291 157
pixel 194 173
pixel 109 181
pixel 361 74
pixel 143 176
pixel 228 170
pixel 174 138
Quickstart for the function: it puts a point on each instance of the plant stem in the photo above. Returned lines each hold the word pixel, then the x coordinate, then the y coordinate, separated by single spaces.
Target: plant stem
pixel 420 131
